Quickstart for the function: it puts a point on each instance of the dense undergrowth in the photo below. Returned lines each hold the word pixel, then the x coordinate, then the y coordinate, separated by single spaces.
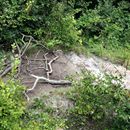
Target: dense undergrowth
pixel 11 105
pixel 101 27
pixel 99 104
pixel 15 116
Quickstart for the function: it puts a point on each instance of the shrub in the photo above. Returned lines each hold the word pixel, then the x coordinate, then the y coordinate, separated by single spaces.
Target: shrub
pixel 11 105
pixel 14 115
pixel 107 23
pixel 99 105
pixel 45 20
pixel 62 26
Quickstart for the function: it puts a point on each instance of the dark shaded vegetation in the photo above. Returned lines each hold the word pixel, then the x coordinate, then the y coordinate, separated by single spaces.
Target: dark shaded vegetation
pixel 62 22
pixel 101 26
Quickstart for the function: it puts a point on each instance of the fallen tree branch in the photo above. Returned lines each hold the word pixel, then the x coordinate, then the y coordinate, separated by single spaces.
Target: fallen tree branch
pixel 50 81
pixel 6 71
pixel 21 52
pixel 46 63
pixel 50 66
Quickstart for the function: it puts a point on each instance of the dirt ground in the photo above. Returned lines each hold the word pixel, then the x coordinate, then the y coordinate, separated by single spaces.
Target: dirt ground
pixel 62 68
pixel 66 65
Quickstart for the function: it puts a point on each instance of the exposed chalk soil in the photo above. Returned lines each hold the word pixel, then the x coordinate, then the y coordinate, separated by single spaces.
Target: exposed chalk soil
pixel 99 67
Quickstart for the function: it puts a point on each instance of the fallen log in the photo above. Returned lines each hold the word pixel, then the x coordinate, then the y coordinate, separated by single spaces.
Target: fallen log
pixel 50 81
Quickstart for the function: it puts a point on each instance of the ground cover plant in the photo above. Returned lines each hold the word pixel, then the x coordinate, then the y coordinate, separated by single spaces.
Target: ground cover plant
pixel 99 104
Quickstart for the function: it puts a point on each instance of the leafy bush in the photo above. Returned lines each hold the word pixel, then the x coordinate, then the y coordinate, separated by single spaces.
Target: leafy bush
pixel 45 20
pixel 99 104
pixel 107 24
pixel 11 105
pixel 59 23
pixel 63 26
pixel 15 116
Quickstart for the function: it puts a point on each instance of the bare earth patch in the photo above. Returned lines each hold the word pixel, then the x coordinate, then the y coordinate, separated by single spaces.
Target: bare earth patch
pixel 62 67
pixel 67 65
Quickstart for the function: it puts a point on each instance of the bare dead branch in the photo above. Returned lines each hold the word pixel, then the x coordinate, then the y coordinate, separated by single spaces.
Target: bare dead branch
pixel 50 66
pixel 26 47
pixel 46 62
pixel 6 71
pixel 50 81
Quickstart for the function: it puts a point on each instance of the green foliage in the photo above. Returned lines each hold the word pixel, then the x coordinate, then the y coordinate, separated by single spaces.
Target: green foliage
pixel 15 116
pixel 11 105
pixel 39 117
pixel 46 20
pixel 99 104
pixel 63 26
pixel 2 59
pixel 105 26
pixel 60 23
pixel 116 55
pixel 107 23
